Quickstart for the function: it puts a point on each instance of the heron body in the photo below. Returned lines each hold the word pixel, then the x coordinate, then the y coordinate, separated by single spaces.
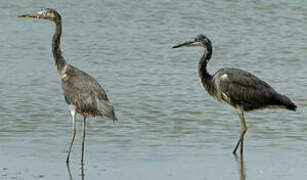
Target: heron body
pixel 239 88
pixel 82 92
pixel 85 93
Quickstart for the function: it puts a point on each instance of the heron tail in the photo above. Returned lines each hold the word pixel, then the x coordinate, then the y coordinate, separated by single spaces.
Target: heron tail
pixel 106 109
pixel 288 103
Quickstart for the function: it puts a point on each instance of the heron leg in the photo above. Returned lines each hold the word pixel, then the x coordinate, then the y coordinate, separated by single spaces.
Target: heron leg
pixel 243 129
pixel 83 139
pixel 73 114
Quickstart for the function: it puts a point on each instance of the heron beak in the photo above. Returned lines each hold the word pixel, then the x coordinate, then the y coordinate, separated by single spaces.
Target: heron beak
pixel 34 15
pixel 188 44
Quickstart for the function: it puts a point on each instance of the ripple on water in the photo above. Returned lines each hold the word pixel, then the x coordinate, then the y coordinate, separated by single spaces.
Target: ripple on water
pixel 163 110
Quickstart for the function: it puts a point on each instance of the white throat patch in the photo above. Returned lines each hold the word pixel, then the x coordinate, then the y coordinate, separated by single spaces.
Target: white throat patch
pixel 63 75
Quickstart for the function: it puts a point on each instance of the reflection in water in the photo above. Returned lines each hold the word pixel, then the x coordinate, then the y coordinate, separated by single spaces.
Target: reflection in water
pixel 82 171
pixel 242 168
pixel 69 171
pixel 70 174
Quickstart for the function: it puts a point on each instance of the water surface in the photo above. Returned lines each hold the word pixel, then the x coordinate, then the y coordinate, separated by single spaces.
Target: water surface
pixel 169 127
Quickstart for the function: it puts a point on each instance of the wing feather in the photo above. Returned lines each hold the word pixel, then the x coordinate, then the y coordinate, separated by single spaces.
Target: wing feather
pixel 82 90
pixel 241 87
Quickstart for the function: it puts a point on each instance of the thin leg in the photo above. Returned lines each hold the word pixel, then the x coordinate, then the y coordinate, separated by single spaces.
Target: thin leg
pixel 73 114
pixel 83 139
pixel 243 129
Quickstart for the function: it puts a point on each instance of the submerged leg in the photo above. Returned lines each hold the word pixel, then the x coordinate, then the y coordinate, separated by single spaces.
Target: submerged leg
pixel 73 114
pixel 242 168
pixel 69 171
pixel 243 129
pixel 83 139
pixel 82 171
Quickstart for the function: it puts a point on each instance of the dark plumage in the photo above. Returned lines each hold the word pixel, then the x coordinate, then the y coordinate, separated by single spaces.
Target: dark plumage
pixel 243 88
pixel 239 88
pixel 81 91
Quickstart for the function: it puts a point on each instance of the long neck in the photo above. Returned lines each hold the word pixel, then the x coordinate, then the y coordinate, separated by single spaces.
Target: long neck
pixel 205 77
pixel 202 66
pixel 59 61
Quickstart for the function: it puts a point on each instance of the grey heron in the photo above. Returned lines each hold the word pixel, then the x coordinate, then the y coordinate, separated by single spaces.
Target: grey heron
pixel 82 92
pixel 241 89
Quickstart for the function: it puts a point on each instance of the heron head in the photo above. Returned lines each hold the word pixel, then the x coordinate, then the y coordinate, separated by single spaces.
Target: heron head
pixel 46 13
pixel 200 40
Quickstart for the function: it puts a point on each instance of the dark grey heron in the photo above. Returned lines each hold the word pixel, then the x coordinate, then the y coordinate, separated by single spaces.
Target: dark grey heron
pixel 82 92
pixel 241 89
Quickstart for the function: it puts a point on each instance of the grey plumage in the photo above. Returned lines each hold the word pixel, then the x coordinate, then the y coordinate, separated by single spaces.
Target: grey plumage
pixel 239 88
pixel 81 91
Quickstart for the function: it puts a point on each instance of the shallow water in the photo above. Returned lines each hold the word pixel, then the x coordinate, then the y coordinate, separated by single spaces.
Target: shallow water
pixel 169 127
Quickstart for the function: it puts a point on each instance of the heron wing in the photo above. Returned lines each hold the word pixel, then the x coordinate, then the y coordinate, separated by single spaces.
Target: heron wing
pixel 241 87
pixel 82 90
